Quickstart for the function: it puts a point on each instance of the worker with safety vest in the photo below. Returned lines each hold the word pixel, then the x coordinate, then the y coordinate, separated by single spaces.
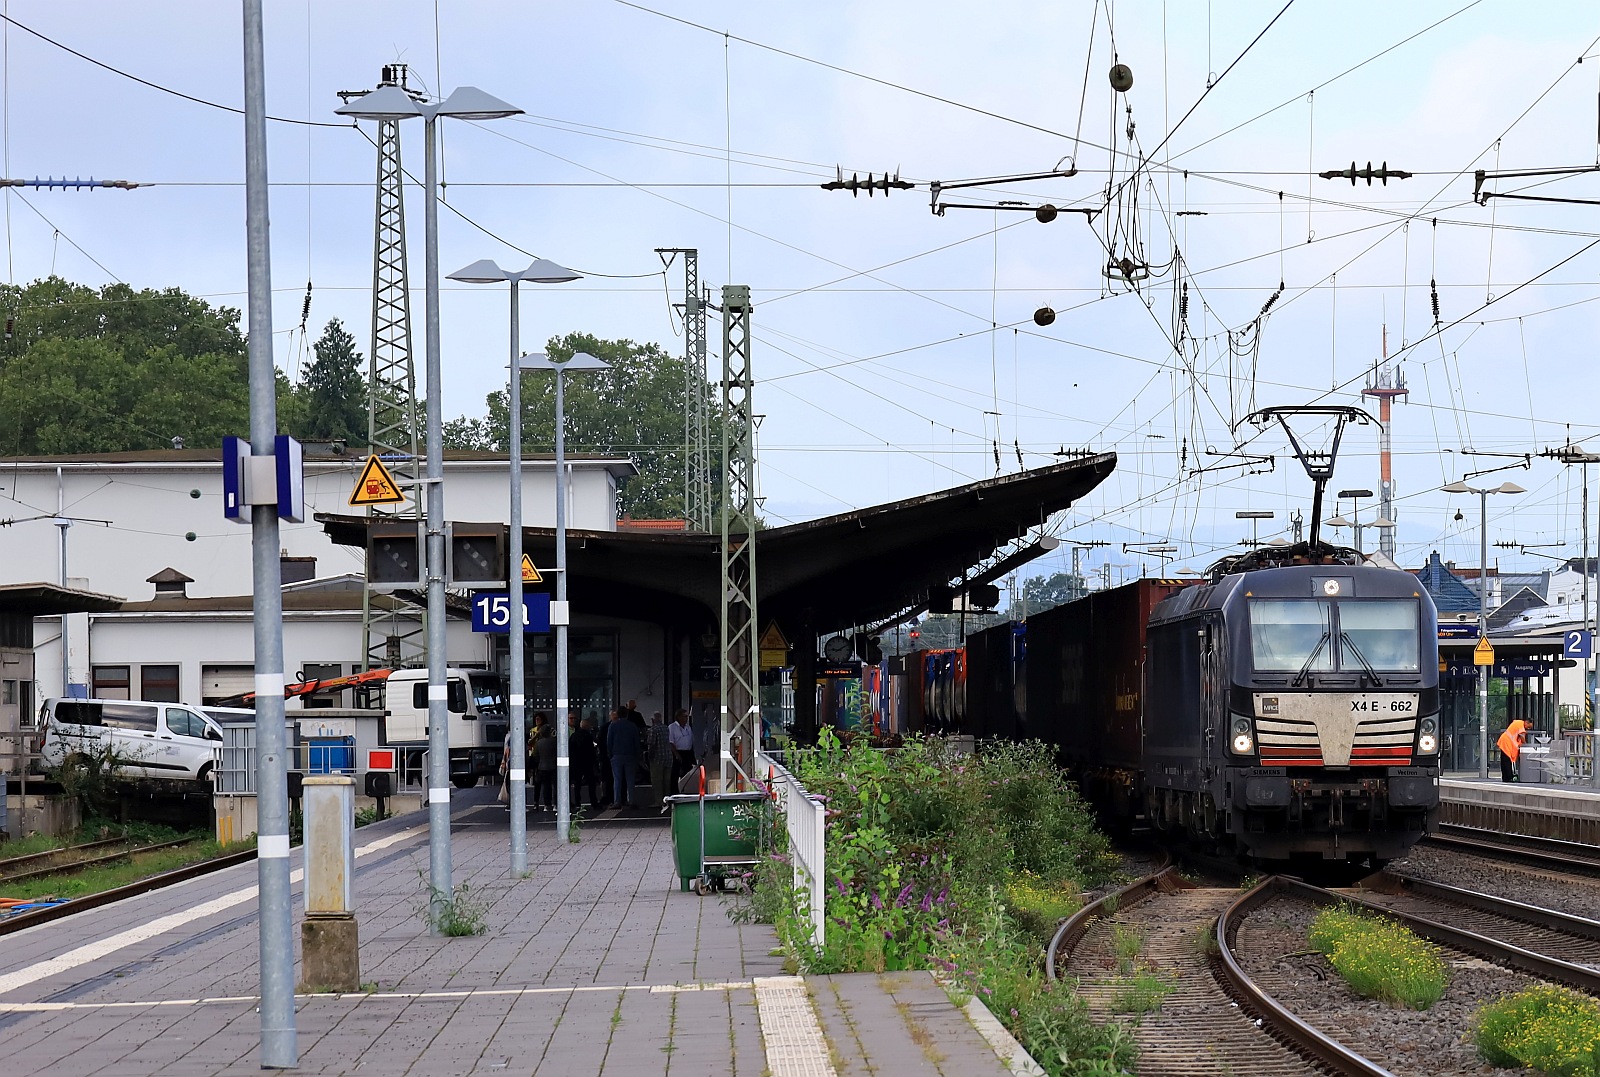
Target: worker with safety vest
pixel 1510 743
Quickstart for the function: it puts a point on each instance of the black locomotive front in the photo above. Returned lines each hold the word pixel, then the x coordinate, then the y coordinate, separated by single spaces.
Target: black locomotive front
pixel 1295 710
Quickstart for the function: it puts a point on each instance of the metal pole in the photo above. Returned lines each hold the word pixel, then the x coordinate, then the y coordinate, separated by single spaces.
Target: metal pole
pixel 517 765
pixel 563 762
pixel 1483 631
pixel 63 523
pixel 1588 663
pixel 441 887
pixel 272 787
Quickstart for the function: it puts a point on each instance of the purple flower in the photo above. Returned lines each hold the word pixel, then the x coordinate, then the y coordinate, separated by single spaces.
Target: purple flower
pixel 905 893
pixel 927 902
pixel 877 902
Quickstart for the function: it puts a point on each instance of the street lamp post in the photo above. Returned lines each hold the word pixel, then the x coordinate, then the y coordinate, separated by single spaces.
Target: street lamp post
pixel 578 361
pixel 1483 605
pixel 466 103
pixel 542 271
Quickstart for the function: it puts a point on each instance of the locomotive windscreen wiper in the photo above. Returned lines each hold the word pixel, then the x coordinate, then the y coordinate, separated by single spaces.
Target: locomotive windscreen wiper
pixel 1377 682
pixel 1300 677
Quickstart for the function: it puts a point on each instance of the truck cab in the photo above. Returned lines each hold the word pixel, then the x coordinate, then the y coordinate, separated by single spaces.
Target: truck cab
pixel 477 717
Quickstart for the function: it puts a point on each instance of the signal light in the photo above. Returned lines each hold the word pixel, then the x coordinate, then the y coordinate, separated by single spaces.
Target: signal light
pixel 477 556
pixel 395 555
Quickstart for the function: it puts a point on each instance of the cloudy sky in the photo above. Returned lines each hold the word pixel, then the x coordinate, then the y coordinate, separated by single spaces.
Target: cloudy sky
pixel 895 349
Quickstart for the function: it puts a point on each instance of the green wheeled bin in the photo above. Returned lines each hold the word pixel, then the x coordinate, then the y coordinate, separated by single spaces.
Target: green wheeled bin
pixel 731 826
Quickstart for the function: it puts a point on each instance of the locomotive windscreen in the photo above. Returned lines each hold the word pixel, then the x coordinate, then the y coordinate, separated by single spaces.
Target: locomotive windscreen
pixel 1297 635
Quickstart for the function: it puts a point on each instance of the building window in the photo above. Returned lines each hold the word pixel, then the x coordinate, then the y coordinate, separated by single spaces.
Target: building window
pixel 218 683
pixel 159 684
pixel 322 671
pixel 109 682
pixel 8 694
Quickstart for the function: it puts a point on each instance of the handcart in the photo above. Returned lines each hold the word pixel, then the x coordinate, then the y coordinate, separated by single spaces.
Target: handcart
pixel 715 836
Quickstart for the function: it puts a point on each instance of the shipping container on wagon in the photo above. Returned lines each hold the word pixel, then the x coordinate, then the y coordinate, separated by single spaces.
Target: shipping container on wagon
pixel 1085 682
pixel 995 685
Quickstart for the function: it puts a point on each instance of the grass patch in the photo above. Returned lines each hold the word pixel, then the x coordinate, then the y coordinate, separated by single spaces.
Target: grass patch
pixel 1378 958
pixel 1548 1029
pixel 1143 992
pixel 1126 942
pixel 1038 906
pixel 461 913
pixel 139 866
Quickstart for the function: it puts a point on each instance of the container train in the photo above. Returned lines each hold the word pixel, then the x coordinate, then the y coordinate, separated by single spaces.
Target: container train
pixel 1286 706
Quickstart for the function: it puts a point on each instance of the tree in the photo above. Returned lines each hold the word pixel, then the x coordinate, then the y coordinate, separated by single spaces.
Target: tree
pixel 333 391
pixel 634 409
pixel 1042 592
pixel 117 369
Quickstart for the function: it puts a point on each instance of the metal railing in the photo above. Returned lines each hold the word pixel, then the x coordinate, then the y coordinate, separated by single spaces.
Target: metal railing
pixel 805 819
pixel 1580 754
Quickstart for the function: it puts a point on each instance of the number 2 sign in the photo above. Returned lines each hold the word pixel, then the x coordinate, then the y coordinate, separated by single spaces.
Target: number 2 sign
pixel 1576 643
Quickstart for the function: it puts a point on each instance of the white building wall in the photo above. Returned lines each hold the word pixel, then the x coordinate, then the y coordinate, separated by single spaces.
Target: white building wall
pixel 132 520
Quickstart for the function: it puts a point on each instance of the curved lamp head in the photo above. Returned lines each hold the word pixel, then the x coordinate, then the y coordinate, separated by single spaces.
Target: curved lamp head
pixel 541 271
pixel 579 361
pixel 1337 521
pixel 393 103
pixel 1509 488
pixel 1457 488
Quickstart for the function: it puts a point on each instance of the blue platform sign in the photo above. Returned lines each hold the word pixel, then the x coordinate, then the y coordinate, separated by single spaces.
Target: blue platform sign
pixel 491 612
pixel 1577 643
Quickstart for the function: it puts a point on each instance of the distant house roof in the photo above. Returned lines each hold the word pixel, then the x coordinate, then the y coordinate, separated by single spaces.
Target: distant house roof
pixel 46 599
pixel 1525 598
pixel 1449 594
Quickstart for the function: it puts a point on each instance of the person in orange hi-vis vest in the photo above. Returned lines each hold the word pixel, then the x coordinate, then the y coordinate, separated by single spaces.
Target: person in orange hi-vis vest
pixel 1510 743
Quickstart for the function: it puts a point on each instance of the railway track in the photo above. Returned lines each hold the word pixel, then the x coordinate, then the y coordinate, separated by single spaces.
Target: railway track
pixel 22 921
pixel 1562 856
pixel 76 857
pixel 1215 1019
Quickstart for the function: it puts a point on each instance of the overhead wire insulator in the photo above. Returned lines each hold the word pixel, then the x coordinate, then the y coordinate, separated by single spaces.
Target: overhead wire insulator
pixel 1272 299
pixel 1383 173
pixel 305 308
pixel 855 184
pixel 1433 286
pixel 1183 303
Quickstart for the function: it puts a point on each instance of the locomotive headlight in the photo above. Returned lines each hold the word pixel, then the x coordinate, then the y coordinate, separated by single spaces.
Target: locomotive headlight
pixel 1428 742
pixel 1243 741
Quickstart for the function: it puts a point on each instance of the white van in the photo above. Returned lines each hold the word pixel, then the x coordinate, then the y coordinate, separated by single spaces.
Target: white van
pixel 149 740
pixel 477 710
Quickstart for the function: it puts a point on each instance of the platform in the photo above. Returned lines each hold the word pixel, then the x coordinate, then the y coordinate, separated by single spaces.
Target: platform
pixel 1567 811
pixel 596 964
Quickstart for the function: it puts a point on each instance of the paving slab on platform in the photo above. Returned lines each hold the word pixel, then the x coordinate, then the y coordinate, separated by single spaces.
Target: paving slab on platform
pixel 595 964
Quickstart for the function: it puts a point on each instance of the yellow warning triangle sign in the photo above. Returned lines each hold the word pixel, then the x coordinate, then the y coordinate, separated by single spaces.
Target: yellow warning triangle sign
pixel 529 573
pixel 772 639
pixel 375 486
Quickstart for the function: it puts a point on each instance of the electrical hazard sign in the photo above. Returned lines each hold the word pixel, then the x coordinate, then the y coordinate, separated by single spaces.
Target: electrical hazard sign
pixel 376 486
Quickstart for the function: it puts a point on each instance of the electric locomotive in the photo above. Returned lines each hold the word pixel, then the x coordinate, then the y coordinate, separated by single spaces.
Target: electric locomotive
pixel 1294 709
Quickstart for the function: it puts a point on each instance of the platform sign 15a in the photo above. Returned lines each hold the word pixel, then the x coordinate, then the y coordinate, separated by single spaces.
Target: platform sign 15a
pixel 1577 643
pixel 491 612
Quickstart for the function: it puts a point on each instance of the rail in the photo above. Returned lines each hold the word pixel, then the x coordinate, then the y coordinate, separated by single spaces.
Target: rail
pixel 805 820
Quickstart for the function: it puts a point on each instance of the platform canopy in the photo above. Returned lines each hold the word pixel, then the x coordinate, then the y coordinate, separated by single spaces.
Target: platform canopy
pixel 48 599
pixel 854 568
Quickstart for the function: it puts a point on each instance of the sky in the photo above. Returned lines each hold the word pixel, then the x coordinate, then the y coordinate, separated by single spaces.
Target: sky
pixel 895 350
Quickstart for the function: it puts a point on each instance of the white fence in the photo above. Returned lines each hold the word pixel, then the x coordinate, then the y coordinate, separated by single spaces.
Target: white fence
pixel 805 818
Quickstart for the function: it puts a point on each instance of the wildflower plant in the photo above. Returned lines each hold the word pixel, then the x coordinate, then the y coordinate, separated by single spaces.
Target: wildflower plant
pixel 959 864
pixel 1546 1028
pixel 1379 958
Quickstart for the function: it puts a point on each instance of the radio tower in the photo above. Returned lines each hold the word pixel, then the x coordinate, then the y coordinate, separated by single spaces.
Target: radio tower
pixel 392 431
pixel 1385 383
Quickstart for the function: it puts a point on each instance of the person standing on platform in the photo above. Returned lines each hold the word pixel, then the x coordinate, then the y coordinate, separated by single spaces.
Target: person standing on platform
pixel 681 736
pixel 624 745
pixel 1510 743
pixel 632 714
pixel 544 766
pixel 658 754
pixel 584 760
pixel 602 728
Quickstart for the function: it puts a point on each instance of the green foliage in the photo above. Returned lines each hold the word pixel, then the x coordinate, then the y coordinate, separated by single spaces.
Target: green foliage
pixel 366 816
pixel 460 913
pixel 635 409
pixel 1549 1029
pixel 90 776
pixel 333 390
pixel 1379 958
pixel 955 864
pixel 1044 592
pixel 1126 942
pixel 1143 992
pixel 117 369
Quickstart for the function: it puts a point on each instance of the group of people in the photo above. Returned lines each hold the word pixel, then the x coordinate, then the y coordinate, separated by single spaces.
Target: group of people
pixel 606 762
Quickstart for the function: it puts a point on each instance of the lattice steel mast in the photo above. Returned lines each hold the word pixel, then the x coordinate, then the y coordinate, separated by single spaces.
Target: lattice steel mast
pixel 697 490
pixel 392 430
pixel 741 698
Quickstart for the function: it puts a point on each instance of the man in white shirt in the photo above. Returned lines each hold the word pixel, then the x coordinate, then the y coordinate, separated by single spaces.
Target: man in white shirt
pixel 681 736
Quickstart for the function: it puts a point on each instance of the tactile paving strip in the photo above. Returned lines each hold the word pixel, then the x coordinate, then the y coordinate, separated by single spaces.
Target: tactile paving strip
pixel 794 1041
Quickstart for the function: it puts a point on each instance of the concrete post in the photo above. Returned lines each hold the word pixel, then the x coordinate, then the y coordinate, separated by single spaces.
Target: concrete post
pixel 330 950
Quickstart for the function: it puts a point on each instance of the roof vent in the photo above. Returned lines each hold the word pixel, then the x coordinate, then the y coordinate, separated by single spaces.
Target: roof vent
pixel 170 583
